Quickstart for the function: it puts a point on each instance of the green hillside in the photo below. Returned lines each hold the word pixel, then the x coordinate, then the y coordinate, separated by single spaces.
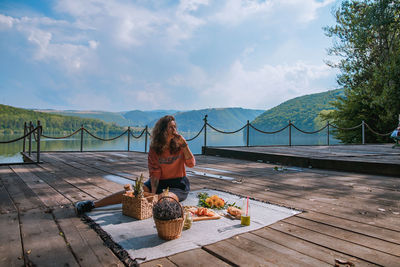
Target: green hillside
pixel 143 118
pixel 110 117
pixel 227 119
pixel 303 111
pixel 12 120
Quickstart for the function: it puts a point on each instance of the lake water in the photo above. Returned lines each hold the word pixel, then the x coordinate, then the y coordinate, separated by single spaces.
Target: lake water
pixel 10 153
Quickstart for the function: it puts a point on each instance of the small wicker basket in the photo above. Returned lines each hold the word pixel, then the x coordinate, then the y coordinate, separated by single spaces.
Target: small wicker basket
pixel 170 229
pixel 139 207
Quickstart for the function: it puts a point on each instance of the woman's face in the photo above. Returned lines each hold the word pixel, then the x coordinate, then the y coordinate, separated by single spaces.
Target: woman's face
pixel 171 130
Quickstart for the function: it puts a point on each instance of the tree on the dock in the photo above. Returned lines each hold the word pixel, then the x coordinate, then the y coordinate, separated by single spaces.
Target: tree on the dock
pixel 367 43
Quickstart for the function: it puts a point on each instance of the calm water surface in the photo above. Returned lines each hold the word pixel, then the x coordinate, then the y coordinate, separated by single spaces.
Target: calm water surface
pixel 11 152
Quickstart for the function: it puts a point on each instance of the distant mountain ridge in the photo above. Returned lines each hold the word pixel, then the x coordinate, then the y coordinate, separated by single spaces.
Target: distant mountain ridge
pixel 303 111
pixel 188 121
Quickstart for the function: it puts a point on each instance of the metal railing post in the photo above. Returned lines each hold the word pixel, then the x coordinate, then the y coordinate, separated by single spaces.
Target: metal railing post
pixel 205 131
pixel 290 133
pixel 30 138
pixel 145 139
pixel 363 132
pixel 82 138
pixel 129 139
pixel 24 142
pixel 327 126
pixel 248 133
pixel 39 133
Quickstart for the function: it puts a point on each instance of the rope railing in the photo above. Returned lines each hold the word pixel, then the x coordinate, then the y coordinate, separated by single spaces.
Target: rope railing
pixel 191 139
pixel 346 129
pixel 19 138
pixel 313 132
pixel 220 131
pixel 140 135
pixel 385 134
pixel 62 137
pixel 37 133
pixel 273 132
pixel 103 139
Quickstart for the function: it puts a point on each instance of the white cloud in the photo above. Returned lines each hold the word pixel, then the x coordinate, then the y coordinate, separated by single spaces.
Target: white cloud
pixel 267 86
pixel 6 22
pixel 272 11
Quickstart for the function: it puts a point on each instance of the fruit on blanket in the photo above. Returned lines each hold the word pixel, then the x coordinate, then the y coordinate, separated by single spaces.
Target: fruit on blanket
pixel 219 203
pixel 234 211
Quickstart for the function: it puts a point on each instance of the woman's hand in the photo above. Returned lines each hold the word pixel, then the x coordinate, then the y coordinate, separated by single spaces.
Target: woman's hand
pixel 180 140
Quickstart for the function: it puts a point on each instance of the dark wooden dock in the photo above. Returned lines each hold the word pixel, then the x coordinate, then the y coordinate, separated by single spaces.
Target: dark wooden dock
pixel 350 217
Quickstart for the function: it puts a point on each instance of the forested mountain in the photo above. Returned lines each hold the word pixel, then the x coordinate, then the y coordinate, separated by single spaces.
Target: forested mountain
pixel 142 118
pixel 110 117
pixel 126 118
pixel 302 111
pixel 227 119
pixel 12 120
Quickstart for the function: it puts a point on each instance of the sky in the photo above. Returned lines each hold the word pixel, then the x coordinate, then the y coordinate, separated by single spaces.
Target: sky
pixel 149 54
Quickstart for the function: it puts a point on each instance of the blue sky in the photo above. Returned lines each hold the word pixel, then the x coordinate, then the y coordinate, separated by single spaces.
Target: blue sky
pixel 190 54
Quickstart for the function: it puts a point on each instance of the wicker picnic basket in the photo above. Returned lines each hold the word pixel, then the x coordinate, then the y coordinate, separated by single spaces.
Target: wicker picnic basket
pixel 138 207
pixel 170 229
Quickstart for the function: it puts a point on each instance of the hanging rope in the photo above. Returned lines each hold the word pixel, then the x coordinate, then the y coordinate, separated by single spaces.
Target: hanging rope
pixel 351 128
pixel 385 134
pixel 314 132
pixel 19 138
pixel 62 137
pixel 202 128
pixel 137 137
pixel 104 139
pixel 269 132
pixel 215 129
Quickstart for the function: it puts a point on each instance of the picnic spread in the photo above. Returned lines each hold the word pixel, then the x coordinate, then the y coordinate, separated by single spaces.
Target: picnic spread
pixel 170 217
pixel 151 226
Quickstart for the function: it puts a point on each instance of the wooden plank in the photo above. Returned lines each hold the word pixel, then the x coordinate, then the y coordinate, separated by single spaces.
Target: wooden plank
pixel 107 186
pixel 271 252
pixel 71 192
pixel 362 228
pixel 373 217
pixel 79 182
pixel 164 262
pixel 337 244
pixel 308 248
pixel 282 255
pixel 84 242
pixel 46 193
pixel 43 243
pixel 22 196
pixel 196 258
pixel 360 239
pixel 10 245
pixel 6 204
pixel 237 256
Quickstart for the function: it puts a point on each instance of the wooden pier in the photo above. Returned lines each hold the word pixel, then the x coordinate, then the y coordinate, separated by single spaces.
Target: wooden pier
pixel 348 217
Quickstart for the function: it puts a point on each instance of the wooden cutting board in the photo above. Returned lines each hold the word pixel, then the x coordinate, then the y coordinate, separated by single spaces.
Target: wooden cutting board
pixel 203 218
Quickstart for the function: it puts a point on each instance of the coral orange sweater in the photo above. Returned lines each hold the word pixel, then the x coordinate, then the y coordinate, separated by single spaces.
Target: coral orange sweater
pixel 168 166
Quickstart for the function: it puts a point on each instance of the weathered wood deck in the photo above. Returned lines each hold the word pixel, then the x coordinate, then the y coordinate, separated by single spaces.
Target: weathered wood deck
pixel 347 216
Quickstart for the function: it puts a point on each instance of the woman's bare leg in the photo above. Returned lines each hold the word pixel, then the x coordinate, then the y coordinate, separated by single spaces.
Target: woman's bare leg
pixel 115 198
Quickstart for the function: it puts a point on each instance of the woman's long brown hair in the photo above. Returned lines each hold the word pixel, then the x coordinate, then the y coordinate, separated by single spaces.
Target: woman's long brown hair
pixel 159 136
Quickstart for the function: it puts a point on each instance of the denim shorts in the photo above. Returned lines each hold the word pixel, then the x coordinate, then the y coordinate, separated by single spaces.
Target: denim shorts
pixel 178 186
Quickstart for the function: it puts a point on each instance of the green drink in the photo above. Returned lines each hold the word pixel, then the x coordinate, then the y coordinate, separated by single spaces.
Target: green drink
pixel 245 220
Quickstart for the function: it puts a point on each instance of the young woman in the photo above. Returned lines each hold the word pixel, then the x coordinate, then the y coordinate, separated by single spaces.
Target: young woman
pixel 169 154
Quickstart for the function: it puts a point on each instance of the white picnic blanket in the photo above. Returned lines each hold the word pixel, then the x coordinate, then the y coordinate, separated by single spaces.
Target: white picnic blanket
pixel 139 237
